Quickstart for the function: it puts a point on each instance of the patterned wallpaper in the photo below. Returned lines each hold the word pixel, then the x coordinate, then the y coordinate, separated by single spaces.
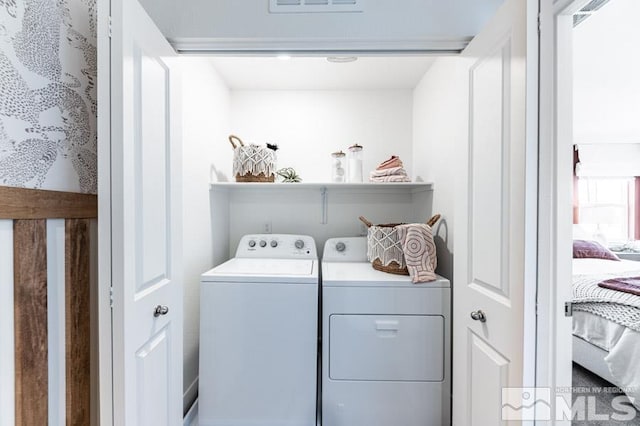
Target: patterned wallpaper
pixel 48 94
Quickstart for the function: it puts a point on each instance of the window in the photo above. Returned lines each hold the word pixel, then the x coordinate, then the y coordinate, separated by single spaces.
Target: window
pixel 607 207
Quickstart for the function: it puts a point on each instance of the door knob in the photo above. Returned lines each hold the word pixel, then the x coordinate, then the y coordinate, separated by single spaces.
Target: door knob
pixel 478 316
pixel 161 310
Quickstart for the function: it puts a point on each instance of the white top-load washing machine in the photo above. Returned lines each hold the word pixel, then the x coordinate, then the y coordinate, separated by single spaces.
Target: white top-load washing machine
pixel 385 343
pixel 259 335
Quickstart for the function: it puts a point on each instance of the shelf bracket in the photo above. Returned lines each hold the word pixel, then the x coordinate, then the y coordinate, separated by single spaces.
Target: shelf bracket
pixel 324 206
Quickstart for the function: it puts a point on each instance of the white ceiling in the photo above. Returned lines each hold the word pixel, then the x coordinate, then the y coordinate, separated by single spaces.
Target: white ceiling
pixel 316 73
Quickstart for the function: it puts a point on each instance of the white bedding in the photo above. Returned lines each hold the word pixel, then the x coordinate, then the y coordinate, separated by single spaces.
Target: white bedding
pixel 602 266
pixel 622 343
pixel 620 307
pixel 596 330
pixel 623 364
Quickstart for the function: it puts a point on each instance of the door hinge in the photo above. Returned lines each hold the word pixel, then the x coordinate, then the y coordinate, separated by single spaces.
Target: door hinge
pixel 568 309
pixel 110 27
pixel 111 297
pixel 538 24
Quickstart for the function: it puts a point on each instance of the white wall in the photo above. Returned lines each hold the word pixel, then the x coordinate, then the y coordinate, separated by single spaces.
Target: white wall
pixel 440 131
pixel 205 128
pixel 292 210
pixel 606 75
pixel 309 125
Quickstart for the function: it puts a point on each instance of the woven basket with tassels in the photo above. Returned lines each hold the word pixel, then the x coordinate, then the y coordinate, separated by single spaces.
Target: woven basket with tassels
pixel 252 163
pixel 384 237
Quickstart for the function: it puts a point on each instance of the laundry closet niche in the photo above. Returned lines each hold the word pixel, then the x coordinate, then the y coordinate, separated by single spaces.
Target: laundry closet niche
pixel 309 107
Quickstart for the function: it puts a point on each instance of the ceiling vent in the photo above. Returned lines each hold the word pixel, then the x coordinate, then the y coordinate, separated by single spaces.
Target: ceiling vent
pixel 315 6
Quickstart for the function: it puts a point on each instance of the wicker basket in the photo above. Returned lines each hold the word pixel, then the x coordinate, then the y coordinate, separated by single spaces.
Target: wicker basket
pixel 253 178
pixel 252 163
pixel 387 235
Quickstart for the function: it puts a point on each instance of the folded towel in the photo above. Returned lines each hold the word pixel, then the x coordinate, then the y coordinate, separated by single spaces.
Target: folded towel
pixel 395 171
pixel 393 178
pixel 419 251
pixel 626 285
pixel 394 161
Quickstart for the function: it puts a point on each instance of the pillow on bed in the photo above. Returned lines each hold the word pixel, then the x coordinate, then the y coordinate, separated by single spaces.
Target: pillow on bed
pixel 592 249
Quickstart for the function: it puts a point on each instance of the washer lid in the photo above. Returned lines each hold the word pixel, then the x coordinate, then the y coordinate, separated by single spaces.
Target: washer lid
pixel 264 270
pixel 362 274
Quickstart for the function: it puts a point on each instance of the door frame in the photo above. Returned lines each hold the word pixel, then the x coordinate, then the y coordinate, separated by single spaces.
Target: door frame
pixel 554 348
pixel 105 344
pixel 532 196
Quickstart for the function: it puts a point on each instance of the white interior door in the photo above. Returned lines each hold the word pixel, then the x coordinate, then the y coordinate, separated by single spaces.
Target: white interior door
pixel 491 248
pixel 145 222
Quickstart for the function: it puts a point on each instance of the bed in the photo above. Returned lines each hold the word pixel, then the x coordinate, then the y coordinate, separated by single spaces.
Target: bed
pixel 606 323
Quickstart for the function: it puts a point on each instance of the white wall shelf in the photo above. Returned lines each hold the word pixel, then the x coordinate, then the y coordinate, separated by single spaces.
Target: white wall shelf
pixel 395 187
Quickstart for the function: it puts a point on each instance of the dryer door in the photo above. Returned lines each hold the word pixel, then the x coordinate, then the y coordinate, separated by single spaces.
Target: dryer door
pixel 386 347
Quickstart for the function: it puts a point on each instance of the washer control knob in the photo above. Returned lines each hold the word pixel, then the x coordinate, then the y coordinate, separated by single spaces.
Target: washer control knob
pixel 340 247
pixel 274 243
pixel 252 243
pixel 299 244
pixel 263 243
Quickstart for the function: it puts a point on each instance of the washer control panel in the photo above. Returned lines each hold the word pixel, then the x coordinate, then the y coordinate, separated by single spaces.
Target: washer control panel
pixel 277 246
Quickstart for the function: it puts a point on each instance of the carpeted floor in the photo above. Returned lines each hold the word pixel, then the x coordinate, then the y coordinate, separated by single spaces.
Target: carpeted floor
pixel 583 381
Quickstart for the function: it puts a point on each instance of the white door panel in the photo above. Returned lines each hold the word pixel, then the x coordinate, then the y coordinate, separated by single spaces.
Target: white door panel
pixel 490 228
pixel 145 222
pixel 486 149
pixel 488 375
pixel 154 356
pixel 151 167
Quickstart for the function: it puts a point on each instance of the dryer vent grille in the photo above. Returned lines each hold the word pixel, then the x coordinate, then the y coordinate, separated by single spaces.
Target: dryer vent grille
pixel 315 6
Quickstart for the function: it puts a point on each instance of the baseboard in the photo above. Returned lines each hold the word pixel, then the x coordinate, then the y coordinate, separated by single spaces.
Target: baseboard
pixel 192 415
pixel 190 395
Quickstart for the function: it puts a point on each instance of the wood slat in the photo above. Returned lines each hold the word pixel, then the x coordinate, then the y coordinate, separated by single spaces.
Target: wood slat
pixel 78 351
pixel 30 316
pixel 21 203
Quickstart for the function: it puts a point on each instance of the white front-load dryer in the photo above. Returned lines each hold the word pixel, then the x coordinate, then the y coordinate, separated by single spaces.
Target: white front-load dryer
pixel 258 335
pixel 385 343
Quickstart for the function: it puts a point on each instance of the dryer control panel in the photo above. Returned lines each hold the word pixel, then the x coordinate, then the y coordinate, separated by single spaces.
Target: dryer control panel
pixel 345 249
pixel 277 246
